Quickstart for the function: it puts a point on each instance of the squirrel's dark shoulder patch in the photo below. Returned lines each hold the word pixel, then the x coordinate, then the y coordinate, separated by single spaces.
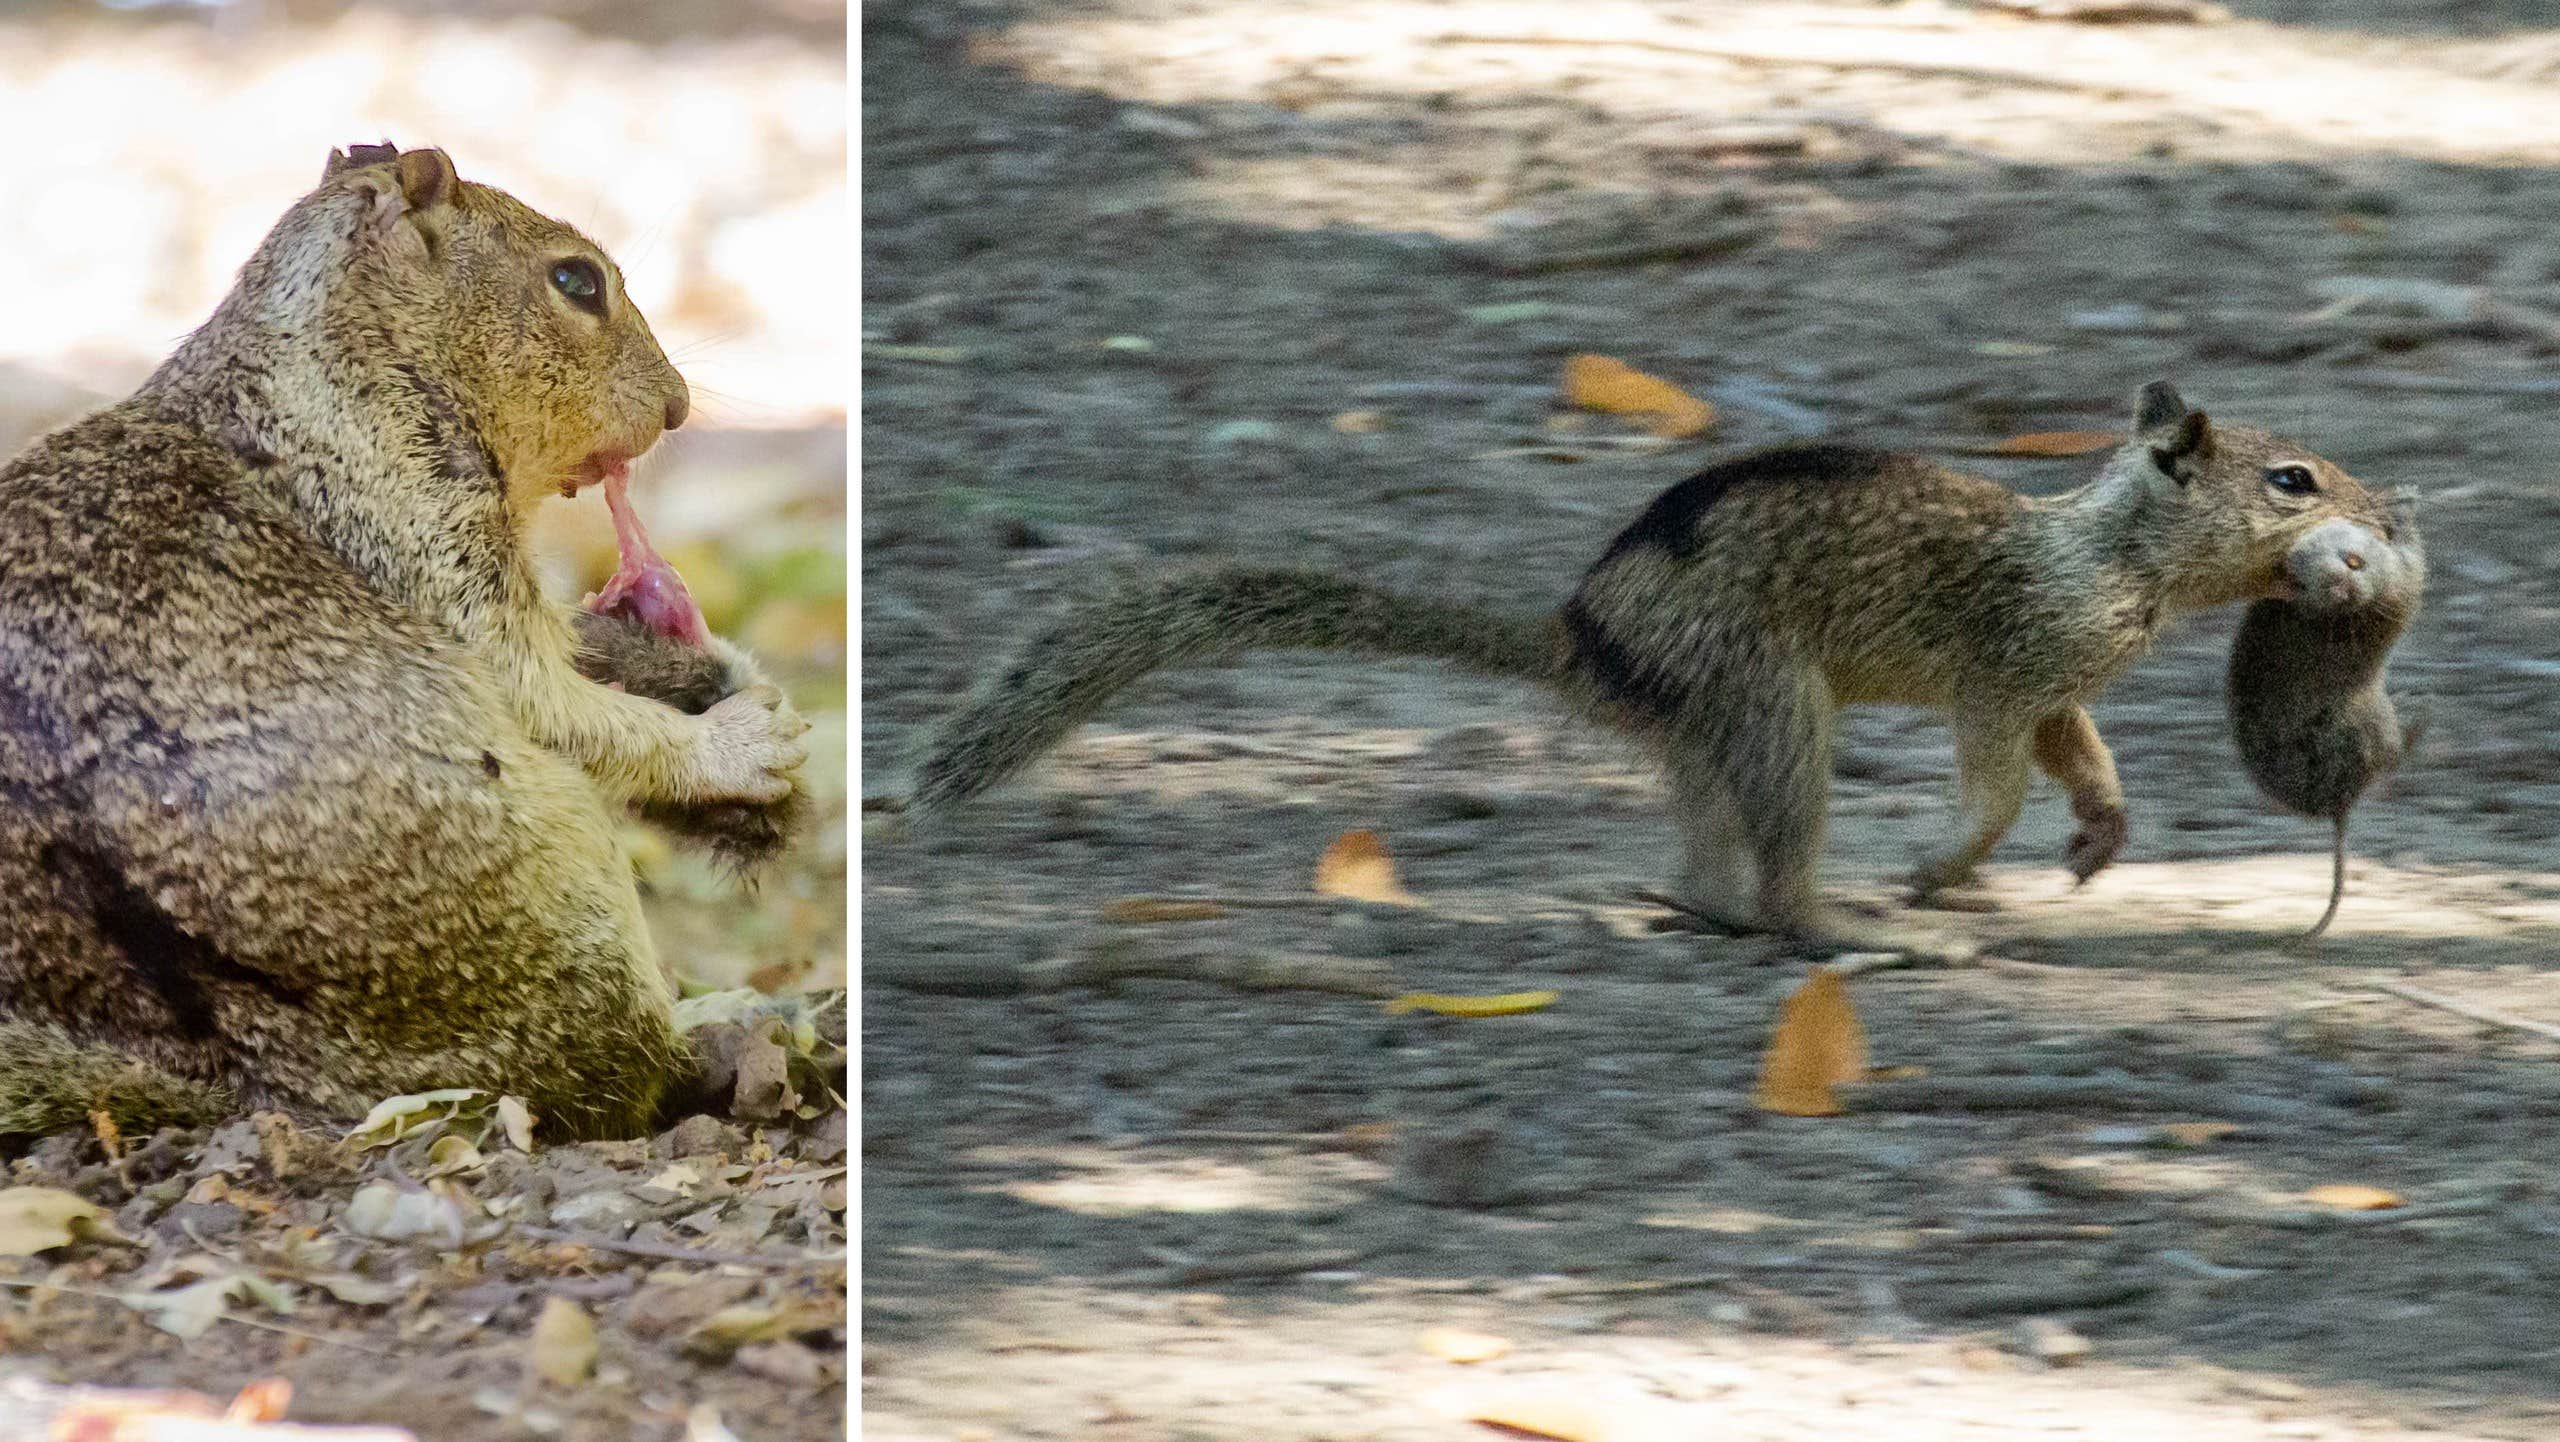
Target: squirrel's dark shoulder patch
pixel 1671 521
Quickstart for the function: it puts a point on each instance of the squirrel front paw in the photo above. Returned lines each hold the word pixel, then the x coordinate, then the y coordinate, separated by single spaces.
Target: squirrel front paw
pixel 749 747
pixel 2096 842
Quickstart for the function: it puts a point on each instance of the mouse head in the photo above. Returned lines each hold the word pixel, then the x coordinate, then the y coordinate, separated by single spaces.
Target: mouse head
pixel 2230 502
pixel 2342 565
pixel 517 320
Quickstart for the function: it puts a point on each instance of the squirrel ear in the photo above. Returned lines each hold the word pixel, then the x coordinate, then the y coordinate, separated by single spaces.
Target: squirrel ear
pixel 2178 456
pixel 426 178
pixel 2158 405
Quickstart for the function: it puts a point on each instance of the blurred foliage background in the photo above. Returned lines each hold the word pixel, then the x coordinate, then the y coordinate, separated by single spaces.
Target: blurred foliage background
pixel 702 142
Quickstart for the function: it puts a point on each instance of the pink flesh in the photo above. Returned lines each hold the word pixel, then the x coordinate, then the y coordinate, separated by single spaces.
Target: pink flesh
pixel 645 589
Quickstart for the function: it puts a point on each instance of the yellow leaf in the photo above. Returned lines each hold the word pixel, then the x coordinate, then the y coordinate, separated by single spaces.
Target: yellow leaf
pixel 1356 865
pixel 1456 1344
pixel 564 1343
pixel 2355 1197
pixel 39 1219
pixel 1507 1004
pixel 2196 1134
pixel 1572 1411
pixel 1818 1042
pixel 2057 443
pixel 1599 383
pixel 1140 910
pixel 1360 423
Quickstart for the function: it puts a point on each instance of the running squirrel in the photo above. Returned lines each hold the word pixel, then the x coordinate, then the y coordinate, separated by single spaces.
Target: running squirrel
pixel 1728 624
pixel 2309 713
pixel 303 800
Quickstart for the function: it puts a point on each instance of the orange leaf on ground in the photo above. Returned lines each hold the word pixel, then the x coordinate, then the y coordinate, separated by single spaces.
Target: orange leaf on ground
pixel 2058 443
pixel 1599 383
pixel 1356 866
pixel 1457 1344
pixel 1818 1042
pixel 2355 1197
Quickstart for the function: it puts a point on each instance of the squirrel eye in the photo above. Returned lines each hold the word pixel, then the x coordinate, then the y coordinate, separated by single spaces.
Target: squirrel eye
pixel 580 281
pixel 2293 480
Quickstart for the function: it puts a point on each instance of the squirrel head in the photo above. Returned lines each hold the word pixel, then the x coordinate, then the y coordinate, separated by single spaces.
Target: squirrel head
pixel 2225 503
pixel 518 321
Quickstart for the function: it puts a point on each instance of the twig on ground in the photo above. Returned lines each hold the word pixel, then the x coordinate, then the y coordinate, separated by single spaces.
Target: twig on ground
pixel 2480 1014
pixel 670 1252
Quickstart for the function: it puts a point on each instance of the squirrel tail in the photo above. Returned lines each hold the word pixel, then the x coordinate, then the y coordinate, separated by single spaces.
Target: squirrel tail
pixel 51 1081
pixel 1069 672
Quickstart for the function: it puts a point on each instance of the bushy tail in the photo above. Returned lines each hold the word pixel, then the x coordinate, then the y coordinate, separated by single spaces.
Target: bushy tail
pixel 1067 673
pixel 51 1081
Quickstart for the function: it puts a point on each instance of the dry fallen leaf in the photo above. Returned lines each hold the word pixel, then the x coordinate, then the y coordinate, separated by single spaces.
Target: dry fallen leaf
pixel 1578 1411
pixel 2355 1197
pixel 1356 866
pixel 1600 383
pixel 564 1343
pixel 516 1119
pixel 1818 1042
pixel 1360 423
pixel 39 1219
pixel 1509 1003
pixel 1457 1344
pixel 1143 910
pixel 2057 443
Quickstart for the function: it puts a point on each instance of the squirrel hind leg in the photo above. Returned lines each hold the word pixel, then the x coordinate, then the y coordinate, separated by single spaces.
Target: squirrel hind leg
pixel 1718 877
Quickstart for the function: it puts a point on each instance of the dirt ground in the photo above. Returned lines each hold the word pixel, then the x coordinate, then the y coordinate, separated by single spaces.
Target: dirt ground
pixel 1129 263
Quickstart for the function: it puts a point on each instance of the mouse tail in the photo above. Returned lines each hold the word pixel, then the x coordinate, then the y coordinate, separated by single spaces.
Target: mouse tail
pixel 2337 881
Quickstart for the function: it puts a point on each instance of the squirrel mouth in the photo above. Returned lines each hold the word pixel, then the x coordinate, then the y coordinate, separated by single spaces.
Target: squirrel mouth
pixel 604 465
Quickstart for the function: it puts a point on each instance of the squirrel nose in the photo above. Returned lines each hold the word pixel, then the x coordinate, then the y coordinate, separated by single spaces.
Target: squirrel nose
pixel 680 405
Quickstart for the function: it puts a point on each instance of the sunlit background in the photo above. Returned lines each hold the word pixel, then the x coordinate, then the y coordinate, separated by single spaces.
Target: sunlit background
pixel 701 141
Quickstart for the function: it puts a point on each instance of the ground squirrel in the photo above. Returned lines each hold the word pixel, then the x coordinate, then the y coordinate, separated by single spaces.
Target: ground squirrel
pixel 1727 625
pixel 303 800
pixel 2308 710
